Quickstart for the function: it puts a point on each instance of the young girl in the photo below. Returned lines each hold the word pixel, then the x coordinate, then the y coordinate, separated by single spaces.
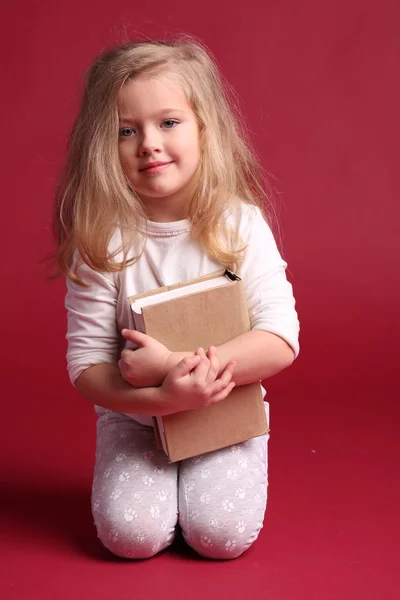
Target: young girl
pixel 159 188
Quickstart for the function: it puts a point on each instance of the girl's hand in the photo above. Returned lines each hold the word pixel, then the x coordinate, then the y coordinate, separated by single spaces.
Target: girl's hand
pixel 145 366
pixel 194 382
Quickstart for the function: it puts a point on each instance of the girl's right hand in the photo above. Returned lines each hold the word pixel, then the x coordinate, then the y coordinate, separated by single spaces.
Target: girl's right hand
pixel 194 382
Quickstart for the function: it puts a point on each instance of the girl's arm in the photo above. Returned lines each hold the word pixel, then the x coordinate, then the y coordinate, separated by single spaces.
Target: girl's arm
pixel 272 344
pixel 103 385
pixel 192 383
pixel 258 355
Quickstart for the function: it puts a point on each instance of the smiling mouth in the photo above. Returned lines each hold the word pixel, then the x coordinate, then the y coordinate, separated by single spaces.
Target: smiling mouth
pixel 156 168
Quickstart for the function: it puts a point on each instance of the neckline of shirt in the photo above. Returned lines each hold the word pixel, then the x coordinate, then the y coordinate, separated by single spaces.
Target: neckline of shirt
pixel 167 229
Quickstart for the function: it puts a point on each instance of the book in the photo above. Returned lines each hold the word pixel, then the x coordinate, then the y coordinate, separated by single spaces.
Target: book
pixel 206 311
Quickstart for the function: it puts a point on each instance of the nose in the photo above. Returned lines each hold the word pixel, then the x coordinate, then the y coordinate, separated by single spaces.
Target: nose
pixel 150 142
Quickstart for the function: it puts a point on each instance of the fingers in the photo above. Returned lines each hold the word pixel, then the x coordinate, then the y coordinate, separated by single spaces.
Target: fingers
pixel 201 371
pixel 137 337
pixel 228 371
pixel 225 379
pixel 186 365
pixel 124 364
pixel 206 374
pixel 222 394
pixel 214 363
pixel 223 386
pixel 194 381
pixel 209 366
pixel 207 370
pixel 126 354
pixel 123 370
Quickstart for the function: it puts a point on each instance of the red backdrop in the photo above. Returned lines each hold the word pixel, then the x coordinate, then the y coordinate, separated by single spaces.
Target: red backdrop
pixel 320 89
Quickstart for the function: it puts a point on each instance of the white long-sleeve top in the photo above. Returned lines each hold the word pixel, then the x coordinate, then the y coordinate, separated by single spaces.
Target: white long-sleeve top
pixel 97 314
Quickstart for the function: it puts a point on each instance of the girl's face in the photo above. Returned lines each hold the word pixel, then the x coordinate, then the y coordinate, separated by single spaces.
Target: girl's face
pixel 159 145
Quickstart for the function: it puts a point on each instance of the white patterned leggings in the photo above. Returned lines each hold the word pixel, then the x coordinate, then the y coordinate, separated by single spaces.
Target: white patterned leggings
pixel 139 498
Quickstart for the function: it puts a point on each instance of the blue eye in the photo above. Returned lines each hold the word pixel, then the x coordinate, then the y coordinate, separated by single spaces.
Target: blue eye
pixel 170 123
pixel 126 132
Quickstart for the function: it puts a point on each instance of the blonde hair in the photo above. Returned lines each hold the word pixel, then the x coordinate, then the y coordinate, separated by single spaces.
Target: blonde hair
pixel 94 199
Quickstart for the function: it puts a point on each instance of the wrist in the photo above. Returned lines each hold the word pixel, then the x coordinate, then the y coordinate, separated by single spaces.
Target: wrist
pixel 163 402
pixel 173 359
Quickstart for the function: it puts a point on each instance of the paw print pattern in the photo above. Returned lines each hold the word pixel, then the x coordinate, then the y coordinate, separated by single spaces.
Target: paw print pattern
pixel 230 545
pixel 116 493
pixel 205 473
pixel 113 535
pixel 148 454
pixel 147 480
pixel 130 514
pixel 137 495
pixel 164 526
pixel 120 457
pixel 241 526
pixel 135 465
pixel 215 524
pixel 142 536
pixel 240 493
pixel 206 541
pixel 227 505
pixel 137 486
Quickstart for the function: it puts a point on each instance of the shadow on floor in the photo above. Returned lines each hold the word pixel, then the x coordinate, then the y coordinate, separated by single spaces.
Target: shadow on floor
pixel 40 515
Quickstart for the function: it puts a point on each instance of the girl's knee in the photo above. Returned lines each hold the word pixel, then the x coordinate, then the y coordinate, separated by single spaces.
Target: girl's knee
pixel 221 548
pixel 224 544
pixel 133 539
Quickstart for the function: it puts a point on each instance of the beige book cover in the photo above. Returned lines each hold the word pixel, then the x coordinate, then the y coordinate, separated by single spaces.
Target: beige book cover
pixel 184 317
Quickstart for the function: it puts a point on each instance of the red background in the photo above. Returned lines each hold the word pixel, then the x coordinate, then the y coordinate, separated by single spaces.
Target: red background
pixel 320 89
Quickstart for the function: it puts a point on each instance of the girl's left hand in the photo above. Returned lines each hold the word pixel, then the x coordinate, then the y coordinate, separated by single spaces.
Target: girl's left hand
pixel 145 366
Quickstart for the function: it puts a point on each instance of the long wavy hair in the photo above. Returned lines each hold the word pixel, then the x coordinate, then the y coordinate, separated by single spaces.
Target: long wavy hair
pixel 94 200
